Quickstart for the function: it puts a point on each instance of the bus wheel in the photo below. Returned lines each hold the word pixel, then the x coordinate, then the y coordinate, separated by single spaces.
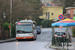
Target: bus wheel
pixel 18 40
pixel 35 39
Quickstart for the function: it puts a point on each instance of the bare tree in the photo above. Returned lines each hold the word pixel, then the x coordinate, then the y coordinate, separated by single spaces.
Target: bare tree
pixel 4 7
pixel 21 9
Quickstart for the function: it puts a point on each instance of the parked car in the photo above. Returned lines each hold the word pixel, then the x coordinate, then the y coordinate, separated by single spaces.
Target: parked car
pixel 38 29
pixel 62 34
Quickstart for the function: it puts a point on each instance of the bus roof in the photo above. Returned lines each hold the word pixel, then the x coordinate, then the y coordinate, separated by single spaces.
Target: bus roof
pixel 26 21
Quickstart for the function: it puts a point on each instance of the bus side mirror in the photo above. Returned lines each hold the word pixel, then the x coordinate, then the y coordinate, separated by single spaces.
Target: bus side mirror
pixel 33 25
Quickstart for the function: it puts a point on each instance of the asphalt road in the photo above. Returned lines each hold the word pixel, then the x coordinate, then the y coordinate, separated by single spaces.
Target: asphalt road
pixel 41 43
pixel 46 35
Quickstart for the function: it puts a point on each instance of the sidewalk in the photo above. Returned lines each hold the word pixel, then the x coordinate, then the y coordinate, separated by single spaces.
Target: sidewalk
pixel 71 47
pixel 7 40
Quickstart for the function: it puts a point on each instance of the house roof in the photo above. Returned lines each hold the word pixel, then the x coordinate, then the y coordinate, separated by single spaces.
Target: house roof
pixel 49 4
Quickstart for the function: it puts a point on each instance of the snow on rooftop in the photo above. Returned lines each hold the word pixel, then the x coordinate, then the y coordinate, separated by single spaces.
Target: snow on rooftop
pixel 69 7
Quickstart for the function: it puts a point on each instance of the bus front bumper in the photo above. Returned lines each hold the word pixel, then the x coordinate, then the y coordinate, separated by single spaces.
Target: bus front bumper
pixel 24 37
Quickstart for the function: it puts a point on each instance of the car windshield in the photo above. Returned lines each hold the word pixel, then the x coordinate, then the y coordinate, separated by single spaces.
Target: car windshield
pixel 25 28
pixel 60 33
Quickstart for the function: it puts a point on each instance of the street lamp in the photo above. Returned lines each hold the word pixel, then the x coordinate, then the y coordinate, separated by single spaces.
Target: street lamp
pixel 4 16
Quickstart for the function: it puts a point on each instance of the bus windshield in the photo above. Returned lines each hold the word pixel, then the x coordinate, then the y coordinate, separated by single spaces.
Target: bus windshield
pixel 24 28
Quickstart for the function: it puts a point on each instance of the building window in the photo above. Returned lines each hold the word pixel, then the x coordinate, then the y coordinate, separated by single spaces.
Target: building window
pixel 74 11
pixel 48 15
pixel 52 13
pixel 68 11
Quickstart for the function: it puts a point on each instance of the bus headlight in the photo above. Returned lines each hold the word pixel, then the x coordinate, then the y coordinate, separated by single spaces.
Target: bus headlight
pixel 17 35
pixel 31 34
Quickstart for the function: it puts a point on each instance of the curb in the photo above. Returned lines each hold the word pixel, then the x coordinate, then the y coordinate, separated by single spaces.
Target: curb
pixel 8 40
pixel 57 48
pixel 50 46
pixel 60 48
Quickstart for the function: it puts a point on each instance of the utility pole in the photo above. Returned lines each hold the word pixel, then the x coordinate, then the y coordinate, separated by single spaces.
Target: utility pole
pixel 10 15
pixel 4 16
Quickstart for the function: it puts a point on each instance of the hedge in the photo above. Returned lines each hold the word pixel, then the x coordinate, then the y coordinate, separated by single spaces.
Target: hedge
pixel 13 34
pixel 47 23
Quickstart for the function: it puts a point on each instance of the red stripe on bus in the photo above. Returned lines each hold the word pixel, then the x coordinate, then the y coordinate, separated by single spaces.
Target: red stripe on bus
pixel 24 37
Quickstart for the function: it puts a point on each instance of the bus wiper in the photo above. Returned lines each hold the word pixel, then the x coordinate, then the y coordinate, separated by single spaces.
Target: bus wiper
pixel 18 31
pixel 25 32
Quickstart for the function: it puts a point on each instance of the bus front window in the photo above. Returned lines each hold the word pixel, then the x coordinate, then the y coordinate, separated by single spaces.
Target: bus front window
pixel 24 28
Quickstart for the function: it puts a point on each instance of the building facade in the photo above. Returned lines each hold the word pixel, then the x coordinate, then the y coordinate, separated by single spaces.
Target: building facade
pixel 51 13
pixel 71 11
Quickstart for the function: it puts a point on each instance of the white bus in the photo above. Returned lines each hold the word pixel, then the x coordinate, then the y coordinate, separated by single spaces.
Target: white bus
pixel 25 29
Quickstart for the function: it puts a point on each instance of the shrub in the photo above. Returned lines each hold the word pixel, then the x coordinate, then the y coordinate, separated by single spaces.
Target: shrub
pixel 13 33
pixel 46 23
pixel 7 28
pixel 39 23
